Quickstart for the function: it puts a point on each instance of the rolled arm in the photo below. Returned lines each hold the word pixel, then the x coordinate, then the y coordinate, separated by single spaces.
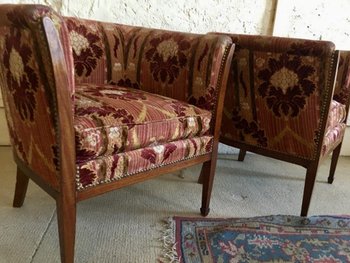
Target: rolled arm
pixel 33 88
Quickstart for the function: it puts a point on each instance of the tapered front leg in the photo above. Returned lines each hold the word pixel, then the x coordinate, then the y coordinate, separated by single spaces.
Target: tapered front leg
pixel 335 157
pixel 21 188
pixel 66 217
pixel 241 155
pixel 308 187
pixel 207 177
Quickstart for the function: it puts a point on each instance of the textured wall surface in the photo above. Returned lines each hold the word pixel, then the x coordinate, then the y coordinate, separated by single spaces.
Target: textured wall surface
pixel 197 16
pixel 315 19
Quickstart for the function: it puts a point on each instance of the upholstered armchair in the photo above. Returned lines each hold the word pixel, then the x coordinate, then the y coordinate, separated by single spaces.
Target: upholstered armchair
pixel 93 107
pixel 279 102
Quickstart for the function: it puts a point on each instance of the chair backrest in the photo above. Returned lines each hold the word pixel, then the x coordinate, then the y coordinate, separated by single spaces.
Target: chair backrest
pixel 153 60
pixel 279 94
pixel 342 85
pixel 30 89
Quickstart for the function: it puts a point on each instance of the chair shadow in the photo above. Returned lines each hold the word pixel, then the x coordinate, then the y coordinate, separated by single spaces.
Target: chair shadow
pixel 246 172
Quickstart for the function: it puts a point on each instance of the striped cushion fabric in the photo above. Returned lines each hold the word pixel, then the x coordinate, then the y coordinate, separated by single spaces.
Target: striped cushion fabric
pixel 111 119
pixel 332 137
pixel 335 127
pixel 337 114
pixel 110 168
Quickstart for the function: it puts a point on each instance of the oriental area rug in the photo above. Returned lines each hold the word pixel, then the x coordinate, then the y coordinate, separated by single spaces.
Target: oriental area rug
pixel 277 238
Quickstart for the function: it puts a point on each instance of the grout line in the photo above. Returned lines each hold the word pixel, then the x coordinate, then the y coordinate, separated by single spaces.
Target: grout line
pixel 43 235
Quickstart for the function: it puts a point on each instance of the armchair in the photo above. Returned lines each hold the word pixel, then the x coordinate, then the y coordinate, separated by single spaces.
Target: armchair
pixel 279 102
pixel 92 107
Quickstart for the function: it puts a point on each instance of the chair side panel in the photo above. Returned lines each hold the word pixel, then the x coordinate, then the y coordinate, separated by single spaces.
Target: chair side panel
pixel 28 88
pixel 278 94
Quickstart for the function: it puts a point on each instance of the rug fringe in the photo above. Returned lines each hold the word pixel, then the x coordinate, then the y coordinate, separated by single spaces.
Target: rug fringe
pixel 169 253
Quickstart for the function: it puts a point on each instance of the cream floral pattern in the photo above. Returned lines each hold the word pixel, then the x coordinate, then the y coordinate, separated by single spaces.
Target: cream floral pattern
pixel 287 82
pixel 284 79
pixel 167 57
pixel 110 168
pixel 21 78
pixel 112 119
pixel 86 48
pixel 168 49
pixel 79 42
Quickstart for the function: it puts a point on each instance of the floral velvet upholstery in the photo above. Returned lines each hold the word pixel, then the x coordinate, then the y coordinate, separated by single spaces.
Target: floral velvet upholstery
pixel 337 114
pixel 335 128
pixel 27 83
pixel 279 102
pixel 118 77
pixel 130 130
pixel 116 166
pixel 156 61
pixel 342 85
pixel 123 124
pixel 111 119
pixel 93 107
pixel 339 109
pixel 279 96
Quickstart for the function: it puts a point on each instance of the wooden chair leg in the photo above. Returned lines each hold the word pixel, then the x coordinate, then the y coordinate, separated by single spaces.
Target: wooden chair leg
pixel 335 157
pixel 66 217
pixel 207 175
pixel 241 155
pixel 21 188
pixel 308 187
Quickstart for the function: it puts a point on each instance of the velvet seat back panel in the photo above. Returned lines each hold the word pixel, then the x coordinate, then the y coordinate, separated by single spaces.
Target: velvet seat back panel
pixel 279 93
pixel 152 60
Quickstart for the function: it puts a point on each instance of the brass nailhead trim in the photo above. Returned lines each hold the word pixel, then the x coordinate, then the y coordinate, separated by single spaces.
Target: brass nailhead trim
pixel 324 106
pixel 80 188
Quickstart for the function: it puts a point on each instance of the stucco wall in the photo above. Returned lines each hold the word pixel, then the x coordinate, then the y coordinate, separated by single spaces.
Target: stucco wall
pixel 198 16
pixel 315 19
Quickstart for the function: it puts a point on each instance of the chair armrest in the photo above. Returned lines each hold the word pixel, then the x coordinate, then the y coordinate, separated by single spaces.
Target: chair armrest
pixel 37 85
pixel 279 94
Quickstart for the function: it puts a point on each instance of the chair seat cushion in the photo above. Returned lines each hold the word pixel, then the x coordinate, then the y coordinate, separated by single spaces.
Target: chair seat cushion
pixel 335 127
pixel 332 138
pixel 105 169
pixel 337 114
pixel 110 119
